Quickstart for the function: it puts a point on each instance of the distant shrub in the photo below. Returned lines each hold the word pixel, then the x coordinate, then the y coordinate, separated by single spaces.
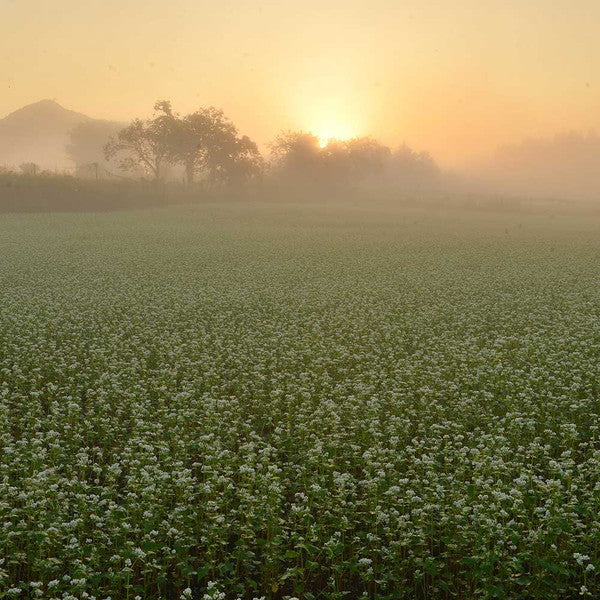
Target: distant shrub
pixel 31 192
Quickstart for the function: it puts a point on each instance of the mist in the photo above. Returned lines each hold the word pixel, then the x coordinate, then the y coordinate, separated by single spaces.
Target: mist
pixel 299 300
pixel 47 149
pixel 563 166
pixel 455 81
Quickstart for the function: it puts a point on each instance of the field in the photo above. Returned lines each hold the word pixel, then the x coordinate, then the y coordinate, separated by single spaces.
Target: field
pixel 258 400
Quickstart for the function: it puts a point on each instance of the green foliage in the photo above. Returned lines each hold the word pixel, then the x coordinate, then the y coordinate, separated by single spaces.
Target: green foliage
pixel 236 401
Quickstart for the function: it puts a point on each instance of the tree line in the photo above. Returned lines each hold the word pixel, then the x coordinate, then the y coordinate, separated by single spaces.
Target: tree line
pixel 205 147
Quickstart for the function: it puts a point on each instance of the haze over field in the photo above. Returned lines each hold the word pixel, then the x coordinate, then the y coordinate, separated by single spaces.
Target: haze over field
pixel 299 300
pixel 249 400
pixel 457 79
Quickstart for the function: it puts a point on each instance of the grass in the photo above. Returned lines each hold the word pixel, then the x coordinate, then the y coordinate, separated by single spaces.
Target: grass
pixel 259 400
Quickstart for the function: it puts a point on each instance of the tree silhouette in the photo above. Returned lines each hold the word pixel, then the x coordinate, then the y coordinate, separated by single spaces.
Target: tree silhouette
pixel 298 155
pixel 142 145
pixel 206 143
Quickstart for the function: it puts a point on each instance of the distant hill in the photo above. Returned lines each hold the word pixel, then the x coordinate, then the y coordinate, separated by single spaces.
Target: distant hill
pixel 38 133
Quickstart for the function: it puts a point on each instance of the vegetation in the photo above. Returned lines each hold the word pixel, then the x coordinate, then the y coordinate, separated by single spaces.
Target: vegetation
pixel 205 150
pixel 299 158
pixel 204 142
pixel 147 162
pixel 237 401
pixel 35 191
pixel 207 143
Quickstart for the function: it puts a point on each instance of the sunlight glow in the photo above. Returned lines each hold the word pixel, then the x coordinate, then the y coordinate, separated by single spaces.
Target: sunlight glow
pixel 330 118
pixel 327 131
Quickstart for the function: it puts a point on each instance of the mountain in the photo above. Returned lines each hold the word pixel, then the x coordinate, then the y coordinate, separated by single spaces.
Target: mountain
pixel 38 133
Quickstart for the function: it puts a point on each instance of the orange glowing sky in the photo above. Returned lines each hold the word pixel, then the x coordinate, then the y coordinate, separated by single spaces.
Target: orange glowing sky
pixel 454 77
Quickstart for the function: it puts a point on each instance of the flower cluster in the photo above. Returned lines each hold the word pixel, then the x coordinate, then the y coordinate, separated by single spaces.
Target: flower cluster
pixel 240 402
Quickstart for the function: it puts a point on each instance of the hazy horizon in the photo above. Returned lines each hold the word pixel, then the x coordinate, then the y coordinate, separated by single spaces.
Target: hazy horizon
pixel 455 79
pixel 300 300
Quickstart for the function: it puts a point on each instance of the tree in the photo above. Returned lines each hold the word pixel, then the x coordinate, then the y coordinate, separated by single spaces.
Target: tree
pixel 206 143
pixel 413 168
pixel 233 160
pixel 298 155
pixel 142 144
pixel 367 157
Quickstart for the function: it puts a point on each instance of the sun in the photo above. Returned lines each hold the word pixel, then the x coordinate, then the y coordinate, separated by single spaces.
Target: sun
pixel 326 104
pixel 326 130
pixel 332 134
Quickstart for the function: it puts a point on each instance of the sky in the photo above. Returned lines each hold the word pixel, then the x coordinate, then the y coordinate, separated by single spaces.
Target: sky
pixel 456 78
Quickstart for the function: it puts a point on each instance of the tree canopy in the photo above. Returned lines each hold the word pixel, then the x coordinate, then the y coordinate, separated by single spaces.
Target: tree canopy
pixel 142 144
pixel 208 148
pixel 204 143
pixel 298 156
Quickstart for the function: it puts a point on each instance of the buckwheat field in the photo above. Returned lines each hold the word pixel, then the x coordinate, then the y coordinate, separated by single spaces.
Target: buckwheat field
pixel 251 400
